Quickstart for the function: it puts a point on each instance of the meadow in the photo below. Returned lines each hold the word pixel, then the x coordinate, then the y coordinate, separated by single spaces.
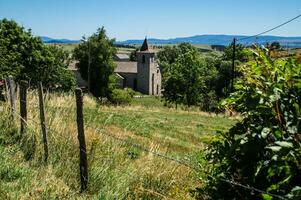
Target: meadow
pixel 118 169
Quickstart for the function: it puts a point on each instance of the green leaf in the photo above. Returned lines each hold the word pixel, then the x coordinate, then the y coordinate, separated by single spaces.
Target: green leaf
pixel 278 134
pixel 284 144
pixel 266 197
pixel 274 148
pixel 265 132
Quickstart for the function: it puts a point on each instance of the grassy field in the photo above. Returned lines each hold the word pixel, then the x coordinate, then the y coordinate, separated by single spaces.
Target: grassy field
pixel 117 170
pixel 71 47
pixel 67 47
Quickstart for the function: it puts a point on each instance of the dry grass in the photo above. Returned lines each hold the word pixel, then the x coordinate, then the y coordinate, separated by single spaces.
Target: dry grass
pixel 116 170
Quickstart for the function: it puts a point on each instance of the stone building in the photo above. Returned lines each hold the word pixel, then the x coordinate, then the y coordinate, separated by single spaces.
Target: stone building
pixel 144 75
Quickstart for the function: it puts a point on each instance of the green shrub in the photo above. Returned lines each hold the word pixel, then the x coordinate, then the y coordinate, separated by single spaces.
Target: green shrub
pixel 119 97
pixel 132 92
pixel 264 149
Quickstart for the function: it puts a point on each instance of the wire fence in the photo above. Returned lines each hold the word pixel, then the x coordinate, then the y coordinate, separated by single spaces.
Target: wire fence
pixel 197 169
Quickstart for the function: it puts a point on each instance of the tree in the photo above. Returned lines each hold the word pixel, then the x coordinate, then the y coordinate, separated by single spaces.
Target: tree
pixel 182 80
pixel 241 53
pixel 133 55
pixel 275 46
pixel 263 150
pixel 99 50
pixel 189 77
pixel 169 54
pixel 25 57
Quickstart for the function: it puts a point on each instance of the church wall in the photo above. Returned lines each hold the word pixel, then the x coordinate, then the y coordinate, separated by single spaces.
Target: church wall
pixel 128 81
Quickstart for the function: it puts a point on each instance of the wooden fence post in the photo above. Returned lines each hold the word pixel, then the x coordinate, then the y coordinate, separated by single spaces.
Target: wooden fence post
pixel 81 138
pixel 43 122
pixel 23 104
pixel 12 96
pixel 6 90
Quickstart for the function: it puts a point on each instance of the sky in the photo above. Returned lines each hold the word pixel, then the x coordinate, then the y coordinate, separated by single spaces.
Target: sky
pixel 135 19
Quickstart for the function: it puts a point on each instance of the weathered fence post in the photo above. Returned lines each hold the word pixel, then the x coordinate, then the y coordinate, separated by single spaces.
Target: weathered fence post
pixel 23 104
pixel 43 122
pixel 6 90
pixel 81 138
pixel 12 97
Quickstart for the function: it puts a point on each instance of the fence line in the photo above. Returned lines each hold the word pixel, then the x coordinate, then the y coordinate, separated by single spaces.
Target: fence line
pixel 163 156
pixel 231 182
pixel 43 122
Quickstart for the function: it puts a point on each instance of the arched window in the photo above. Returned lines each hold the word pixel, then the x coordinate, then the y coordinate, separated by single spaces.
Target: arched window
pixel 143 59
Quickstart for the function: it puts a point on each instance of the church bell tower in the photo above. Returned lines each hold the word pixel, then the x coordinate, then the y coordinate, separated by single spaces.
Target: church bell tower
pixel 148 71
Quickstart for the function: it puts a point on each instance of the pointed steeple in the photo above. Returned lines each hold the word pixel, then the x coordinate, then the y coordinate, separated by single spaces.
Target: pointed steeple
pixel 145 46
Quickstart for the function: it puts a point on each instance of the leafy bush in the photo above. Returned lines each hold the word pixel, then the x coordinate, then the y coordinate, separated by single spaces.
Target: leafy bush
pixel 119 97
pixel 263 150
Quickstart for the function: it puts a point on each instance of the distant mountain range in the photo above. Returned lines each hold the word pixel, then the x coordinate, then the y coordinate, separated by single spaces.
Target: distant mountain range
pixel 57 41
pixel 287 42
pixel 290 42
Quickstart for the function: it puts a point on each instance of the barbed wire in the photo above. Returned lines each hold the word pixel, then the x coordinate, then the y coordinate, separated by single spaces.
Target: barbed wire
pixel 158 154
pixel 163 156
pixel 231 182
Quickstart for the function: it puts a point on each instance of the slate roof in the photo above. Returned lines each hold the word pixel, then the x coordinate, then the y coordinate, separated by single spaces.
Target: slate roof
pixel 122 57
pixel 126 67
pixel 145 46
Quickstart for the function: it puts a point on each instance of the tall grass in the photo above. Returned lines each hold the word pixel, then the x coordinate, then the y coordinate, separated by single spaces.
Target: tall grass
pixel 116 170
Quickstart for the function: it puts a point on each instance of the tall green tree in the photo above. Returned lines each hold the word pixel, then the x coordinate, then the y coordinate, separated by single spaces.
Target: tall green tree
pixel 183 80
pixel 99 50
pixel 189 77
pixel 169 54
pixel 25 57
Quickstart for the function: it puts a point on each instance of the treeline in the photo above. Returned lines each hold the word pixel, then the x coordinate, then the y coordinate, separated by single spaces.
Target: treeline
pixel 197 79
pixel 125 46
pixel 25 57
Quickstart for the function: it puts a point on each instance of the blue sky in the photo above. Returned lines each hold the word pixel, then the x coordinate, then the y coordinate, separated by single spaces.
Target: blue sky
pixel 133 19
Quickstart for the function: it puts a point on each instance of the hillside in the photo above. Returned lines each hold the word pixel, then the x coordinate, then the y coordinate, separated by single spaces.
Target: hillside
pixel 49 40
pixel 290 42
pixel 117 168
pixel 287 42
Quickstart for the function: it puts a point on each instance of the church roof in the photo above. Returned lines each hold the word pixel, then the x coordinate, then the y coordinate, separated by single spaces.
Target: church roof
pixel 126 67
pixel 122 57
pixel 145 46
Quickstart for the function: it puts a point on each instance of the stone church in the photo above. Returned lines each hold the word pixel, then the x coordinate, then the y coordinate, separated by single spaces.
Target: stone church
pixel 144 75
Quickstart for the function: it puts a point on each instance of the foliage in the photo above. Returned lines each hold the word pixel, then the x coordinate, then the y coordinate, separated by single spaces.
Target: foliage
pixel 133 55
pixel 169 54
pixel 216 74
pixel 183 80
pixel 25 57
pixel 241 53
pixel 119 96
pixel 263 150
pixel 189 77
pixel 100 50
pixel 275 46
